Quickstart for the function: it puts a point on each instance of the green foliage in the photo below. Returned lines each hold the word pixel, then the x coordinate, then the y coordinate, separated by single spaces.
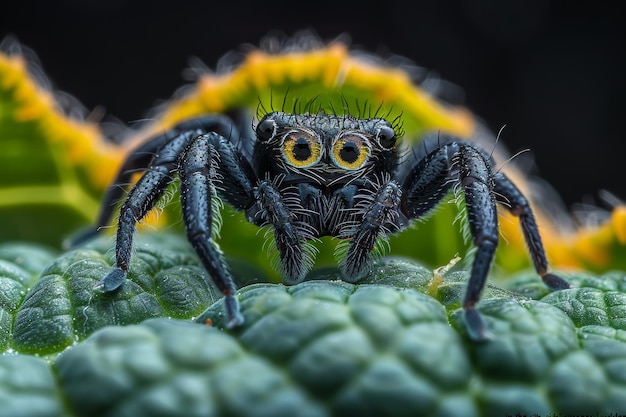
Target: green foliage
pixel 43 191
pixel 395 344
pixel 392 345
pixel 61 307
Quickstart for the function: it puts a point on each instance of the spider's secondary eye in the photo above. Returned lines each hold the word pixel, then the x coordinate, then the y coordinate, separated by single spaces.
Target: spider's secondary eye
pixel 301 149
pixel 265 129
pixel 386 137
pixel 351 151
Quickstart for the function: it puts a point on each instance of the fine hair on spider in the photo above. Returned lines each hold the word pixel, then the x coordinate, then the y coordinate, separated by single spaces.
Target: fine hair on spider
pixel 319 104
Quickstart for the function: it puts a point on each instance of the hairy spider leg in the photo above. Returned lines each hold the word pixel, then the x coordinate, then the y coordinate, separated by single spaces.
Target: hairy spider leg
pixel 138 160
pixel 510 196
pixel 451 165
pixel 476 179
pixel 139 201
pixel 210 161
pixel 224 165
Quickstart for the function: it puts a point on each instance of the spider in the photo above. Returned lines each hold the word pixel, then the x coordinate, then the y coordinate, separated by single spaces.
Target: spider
pixel 312 175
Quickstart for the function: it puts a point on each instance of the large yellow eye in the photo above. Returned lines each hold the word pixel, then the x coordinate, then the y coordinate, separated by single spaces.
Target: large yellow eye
pixel 301 148
pixel 351 151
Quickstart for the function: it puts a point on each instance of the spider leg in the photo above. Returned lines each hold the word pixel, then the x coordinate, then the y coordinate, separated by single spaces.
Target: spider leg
pixel 139 159
pixel 462 165
pixel 518 205
pixel 140 200
pixel 476 178
pixel 208 162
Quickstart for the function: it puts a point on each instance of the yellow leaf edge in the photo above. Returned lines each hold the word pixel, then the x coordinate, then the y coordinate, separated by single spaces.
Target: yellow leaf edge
pixel 332 65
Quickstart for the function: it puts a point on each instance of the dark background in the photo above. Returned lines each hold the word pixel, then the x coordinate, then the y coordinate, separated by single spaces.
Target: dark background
pixel 552 72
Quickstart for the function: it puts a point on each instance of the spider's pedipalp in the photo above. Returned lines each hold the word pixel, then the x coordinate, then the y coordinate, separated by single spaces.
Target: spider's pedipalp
pixel 379 214
pixel 295 257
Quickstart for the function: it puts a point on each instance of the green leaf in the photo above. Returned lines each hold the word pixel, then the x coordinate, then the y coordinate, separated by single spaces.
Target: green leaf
pixel 28 388
pixel 597 301
pixel 61 307
pixel 394 344
pixel 48 172
pixel 19 268
pixel 173 368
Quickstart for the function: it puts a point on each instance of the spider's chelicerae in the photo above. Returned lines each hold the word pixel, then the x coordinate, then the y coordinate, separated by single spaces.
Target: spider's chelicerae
pixel 312 175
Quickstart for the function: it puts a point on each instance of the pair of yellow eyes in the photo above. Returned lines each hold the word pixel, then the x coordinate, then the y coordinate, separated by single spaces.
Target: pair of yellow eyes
pixel 302 149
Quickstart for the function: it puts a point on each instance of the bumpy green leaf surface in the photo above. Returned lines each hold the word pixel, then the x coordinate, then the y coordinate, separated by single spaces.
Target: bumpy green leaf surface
pixel 61 307
pixel 169 368
pixel 393 345
pixel 19 268
pixel 28 388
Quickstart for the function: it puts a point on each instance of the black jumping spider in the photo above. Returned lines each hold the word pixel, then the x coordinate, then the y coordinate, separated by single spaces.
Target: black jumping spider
pixel 312 175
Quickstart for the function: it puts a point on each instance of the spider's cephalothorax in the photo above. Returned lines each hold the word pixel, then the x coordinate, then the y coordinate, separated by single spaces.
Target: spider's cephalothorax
pixel 325 175
pixel 312 175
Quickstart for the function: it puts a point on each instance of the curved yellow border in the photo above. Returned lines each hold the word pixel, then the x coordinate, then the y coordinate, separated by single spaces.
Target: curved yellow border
pixel 81 140
pixel 328 69
pixel 333 69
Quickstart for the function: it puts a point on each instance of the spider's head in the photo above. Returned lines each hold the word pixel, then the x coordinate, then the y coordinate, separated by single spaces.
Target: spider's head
pixel 327 146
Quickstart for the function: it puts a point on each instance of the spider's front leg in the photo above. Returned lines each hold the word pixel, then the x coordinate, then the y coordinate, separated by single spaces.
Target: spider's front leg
pixel 204 163
pixel 161 150
pixel 463 165
pixel 139 201
pixel 210 163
